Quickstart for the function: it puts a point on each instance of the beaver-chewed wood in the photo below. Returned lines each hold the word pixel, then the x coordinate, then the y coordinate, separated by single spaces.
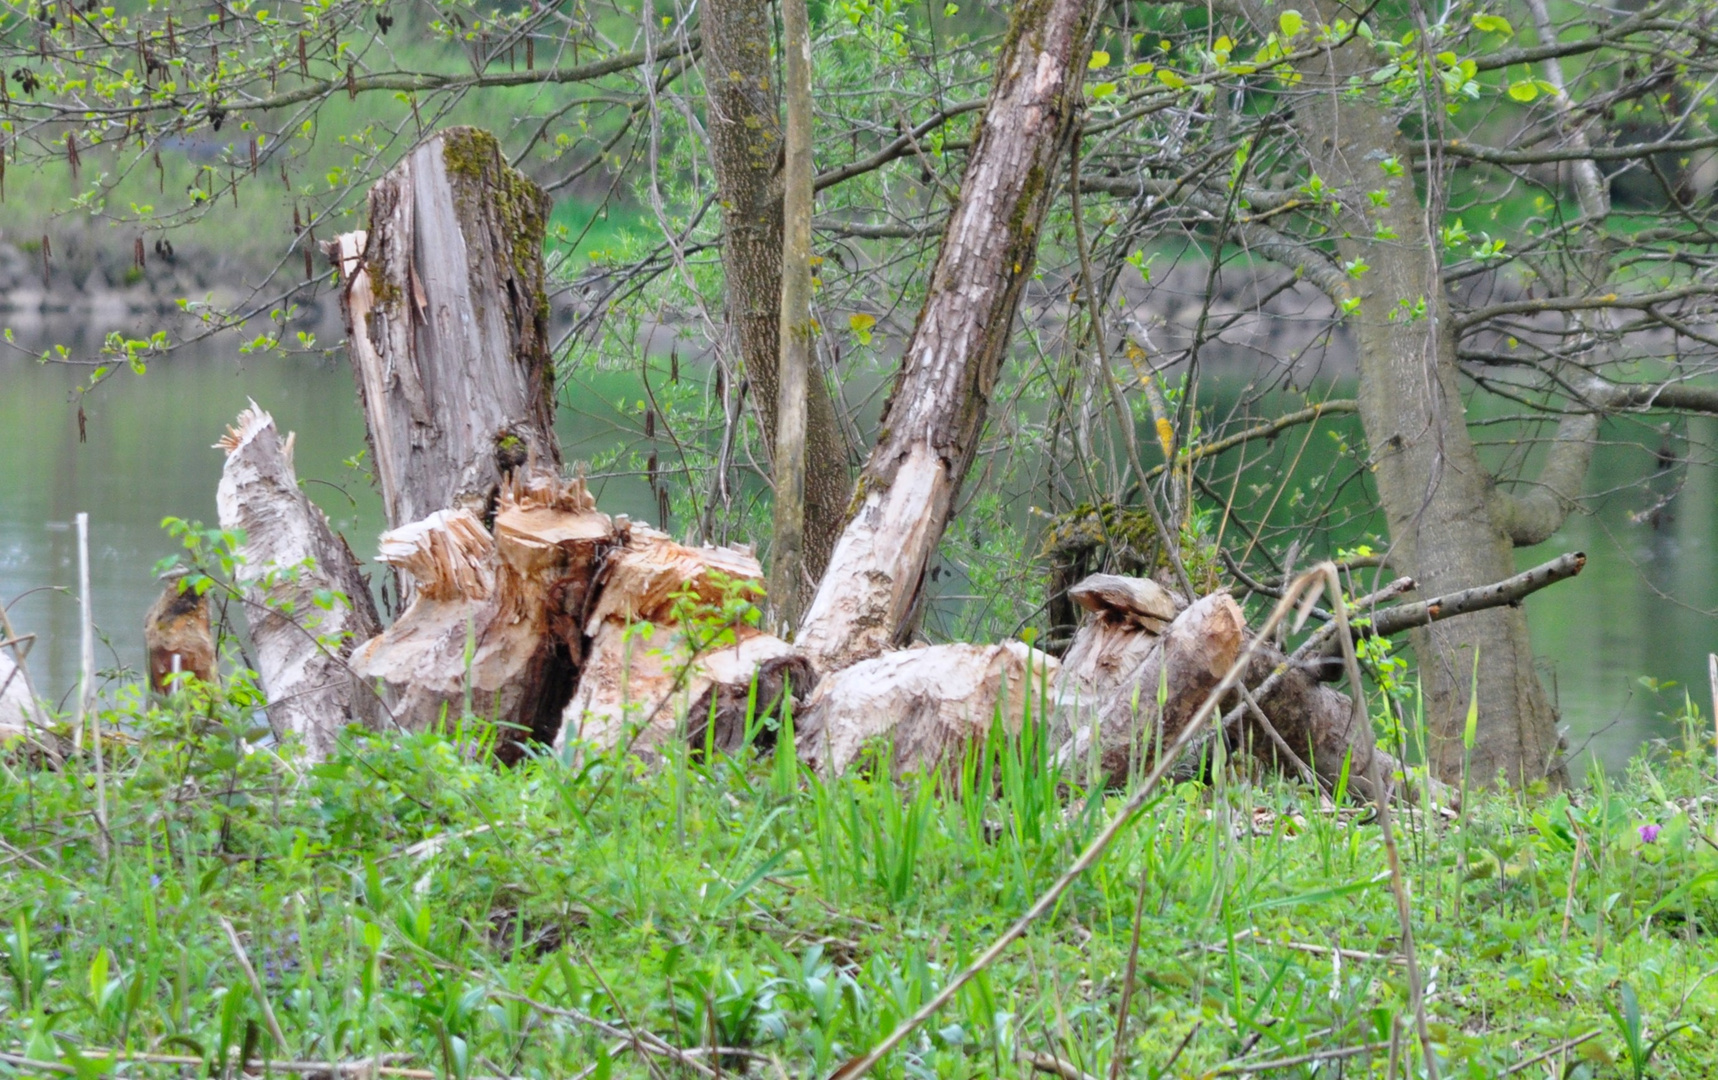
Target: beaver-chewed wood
pixel 923 708
pixel 177 638
pixel 495 616
pixel 305 599
pixel 674 652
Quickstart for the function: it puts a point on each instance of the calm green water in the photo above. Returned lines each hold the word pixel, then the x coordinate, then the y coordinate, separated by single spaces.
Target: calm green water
pixel 148 455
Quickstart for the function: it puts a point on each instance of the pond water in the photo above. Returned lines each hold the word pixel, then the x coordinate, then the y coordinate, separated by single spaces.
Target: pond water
pixel 1644 606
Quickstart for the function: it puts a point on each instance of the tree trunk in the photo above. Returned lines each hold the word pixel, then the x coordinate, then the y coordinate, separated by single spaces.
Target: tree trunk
pixel 292 564
pixel 787 555
pixel 447 327
pixel 935 414
pixel 1436 495
pixel 746 151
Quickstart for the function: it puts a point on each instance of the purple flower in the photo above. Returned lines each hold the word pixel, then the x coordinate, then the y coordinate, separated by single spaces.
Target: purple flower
pixel 1649 834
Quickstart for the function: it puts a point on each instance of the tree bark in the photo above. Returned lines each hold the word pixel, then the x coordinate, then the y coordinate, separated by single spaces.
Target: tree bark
pixel 935 414
pixel 1436 495
pixel 787 554
pixel 746 152
pixel 305 600
pixel 447 327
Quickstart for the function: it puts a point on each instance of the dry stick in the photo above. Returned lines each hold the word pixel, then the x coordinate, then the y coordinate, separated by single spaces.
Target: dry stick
pixel 1118 1051
pixel 367 1067
pixel 1303 1059
pixel 1374 776
pixel 857 1067
pixel 1562 1048
pixel 256 984
pixel 86 685
pixel 1055 1066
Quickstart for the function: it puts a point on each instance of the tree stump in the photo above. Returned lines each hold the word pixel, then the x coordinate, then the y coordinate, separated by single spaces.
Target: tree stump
pixel 494 617
pixel 305 600
pixel 447 327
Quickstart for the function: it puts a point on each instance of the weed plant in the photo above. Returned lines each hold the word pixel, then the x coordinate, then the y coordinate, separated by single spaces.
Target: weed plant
pixel 411 898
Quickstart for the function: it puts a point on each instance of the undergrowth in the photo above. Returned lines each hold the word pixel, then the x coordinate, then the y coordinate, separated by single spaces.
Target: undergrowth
pixel 410 898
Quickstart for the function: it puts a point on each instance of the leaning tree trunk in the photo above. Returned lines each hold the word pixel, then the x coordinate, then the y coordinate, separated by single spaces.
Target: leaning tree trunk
pixel 935 415
pixel 447 327
pixel 306 603
pixel 746 153
pixel 1434 491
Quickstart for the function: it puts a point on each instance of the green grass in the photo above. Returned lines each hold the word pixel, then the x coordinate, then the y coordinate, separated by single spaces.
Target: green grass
pixel 412 898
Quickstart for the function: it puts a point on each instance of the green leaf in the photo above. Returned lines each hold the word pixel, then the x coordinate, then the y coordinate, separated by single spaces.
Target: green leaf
pixel 1493 24
pixel 1290 22
pixel 1100 58
pixel 1103 90
pixel 861 323
pixel 1171 80
pixel 1525 90
pixel 1471 730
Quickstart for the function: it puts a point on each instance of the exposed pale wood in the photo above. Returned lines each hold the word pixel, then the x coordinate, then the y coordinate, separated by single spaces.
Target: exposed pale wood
pixel 290 557
pixel 177 637
pixel 18 713
pixel 651 674
pixel 924 707
pixel 447 327
pixel 936 411
pixel 1136 599
pixel 1118 733
pixel 496 616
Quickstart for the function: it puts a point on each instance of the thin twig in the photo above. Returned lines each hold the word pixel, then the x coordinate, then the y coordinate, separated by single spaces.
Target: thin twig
pixel 256 984
pixel 1381 797
pixel 1303 1059
pixel 1551 1053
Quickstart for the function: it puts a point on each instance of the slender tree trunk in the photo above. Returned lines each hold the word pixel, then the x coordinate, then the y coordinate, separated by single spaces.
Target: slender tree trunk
pixel 746 150
pixel 1436 495
pixel 787 555
pixel 447 327
pixel 935 414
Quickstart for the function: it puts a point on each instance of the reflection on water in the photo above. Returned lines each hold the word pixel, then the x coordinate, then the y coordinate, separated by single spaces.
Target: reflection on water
pixel 148 455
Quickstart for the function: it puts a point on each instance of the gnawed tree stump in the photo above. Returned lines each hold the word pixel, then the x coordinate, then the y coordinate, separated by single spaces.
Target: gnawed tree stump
pixel 447 327
pixel 925 707
pixel 515 598
pixel 1118 733
pixel 177 637
pixel 671 650
pixel 305 599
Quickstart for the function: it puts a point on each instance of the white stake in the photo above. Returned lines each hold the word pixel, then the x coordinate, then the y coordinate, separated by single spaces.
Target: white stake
pixel 1712 677
pixel 86 687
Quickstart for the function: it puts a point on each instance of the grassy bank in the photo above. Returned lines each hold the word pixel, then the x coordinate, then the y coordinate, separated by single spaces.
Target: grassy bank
pixel 545 920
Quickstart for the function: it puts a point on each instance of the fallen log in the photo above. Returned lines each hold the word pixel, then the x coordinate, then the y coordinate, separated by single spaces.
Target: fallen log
pixel 674 650
pixel 922 708
pixel 494 621
pixel 447 327
pixel 305 600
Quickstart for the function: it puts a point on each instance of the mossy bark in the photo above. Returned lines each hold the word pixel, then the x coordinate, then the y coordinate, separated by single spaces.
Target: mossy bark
pixel 746 147
pixel 447 327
